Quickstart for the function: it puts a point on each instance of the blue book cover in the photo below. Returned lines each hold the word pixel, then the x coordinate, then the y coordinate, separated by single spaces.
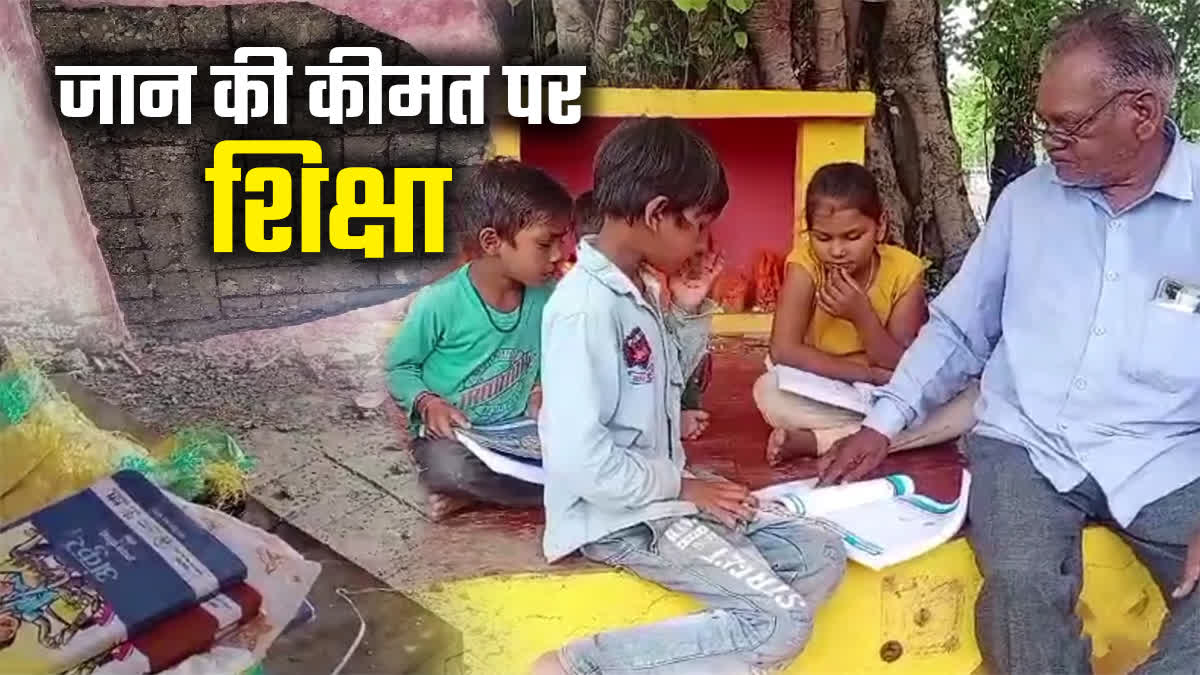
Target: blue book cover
pixel 98 568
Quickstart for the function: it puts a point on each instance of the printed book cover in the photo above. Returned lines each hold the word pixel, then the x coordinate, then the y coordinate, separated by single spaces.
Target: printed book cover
pixel 102 566
pixel 510 448
pixel 518 438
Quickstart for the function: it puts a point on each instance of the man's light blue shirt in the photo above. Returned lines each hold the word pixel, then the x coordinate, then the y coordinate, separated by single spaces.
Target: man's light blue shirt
pixel 1053 307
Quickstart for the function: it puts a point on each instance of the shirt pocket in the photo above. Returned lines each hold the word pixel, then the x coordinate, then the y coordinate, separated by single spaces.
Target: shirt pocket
pixel 1165 357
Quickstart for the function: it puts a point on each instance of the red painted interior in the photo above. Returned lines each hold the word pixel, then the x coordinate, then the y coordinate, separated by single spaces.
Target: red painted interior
pixel 759 157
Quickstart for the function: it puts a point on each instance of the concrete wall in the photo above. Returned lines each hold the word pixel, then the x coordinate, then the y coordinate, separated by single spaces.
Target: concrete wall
pixel 144 188
pixel 55 289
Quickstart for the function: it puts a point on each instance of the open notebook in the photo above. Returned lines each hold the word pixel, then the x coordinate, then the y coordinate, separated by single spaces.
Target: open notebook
pixel 509 448
pixel 882 522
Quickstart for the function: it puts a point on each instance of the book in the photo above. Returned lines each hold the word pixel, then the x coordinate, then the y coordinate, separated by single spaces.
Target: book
pixel 854 397
pixel 510 448
pixel 169 642
pixel 99 567
pixel 882 522
pixel 275 570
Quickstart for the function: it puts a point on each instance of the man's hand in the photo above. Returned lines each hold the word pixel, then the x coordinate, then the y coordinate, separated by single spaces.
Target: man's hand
pixel 440 417
pixel 841 296
pixel 852 457
pixel 724 500
pixel 535 402
pixel 695 280
pixel 1191 569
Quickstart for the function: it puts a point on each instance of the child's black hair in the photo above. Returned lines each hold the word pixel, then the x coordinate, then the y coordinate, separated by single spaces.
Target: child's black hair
pixel 649 157
pixel 586 218
pixel 507 196
pixel 846 182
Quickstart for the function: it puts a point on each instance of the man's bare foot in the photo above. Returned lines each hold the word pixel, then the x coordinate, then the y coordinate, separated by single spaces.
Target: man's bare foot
pixel 548 664
pixel 695 423
pixel 783 445
pixel 443 506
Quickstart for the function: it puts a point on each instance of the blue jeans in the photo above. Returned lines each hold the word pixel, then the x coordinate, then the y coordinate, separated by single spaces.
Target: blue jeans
pixel 1027 539
pixel 762 588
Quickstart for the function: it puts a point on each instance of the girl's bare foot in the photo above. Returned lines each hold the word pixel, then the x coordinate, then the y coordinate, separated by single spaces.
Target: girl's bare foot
pixel 695 423
pixel 548 664
pixel 783 445
pixel 442 506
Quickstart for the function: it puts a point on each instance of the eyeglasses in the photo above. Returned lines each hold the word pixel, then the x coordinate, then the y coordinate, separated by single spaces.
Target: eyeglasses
pixel 1071 135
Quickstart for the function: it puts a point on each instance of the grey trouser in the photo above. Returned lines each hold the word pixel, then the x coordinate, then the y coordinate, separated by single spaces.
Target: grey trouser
pixel 446 467
pixel 761 588
pixel 1028 542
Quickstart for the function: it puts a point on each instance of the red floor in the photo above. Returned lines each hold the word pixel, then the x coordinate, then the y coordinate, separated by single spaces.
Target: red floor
pixel 735 441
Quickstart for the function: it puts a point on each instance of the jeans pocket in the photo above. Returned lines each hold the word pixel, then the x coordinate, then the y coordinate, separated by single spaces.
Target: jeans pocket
pixel 617 547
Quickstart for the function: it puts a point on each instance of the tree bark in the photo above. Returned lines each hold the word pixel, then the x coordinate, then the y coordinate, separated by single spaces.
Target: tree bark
pixel 609 22
pixel 905 65
pixel 575 29
pixel 768 24
pixel 829 26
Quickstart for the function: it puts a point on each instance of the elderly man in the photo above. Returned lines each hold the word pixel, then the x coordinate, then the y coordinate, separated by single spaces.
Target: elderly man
pixel 1077 305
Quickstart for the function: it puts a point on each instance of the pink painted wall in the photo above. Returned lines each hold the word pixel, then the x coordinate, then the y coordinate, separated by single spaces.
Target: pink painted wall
pixel 55 289
pixel 442 30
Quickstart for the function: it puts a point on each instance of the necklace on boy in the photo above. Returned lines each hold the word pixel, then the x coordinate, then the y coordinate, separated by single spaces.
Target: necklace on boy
pixel 487 310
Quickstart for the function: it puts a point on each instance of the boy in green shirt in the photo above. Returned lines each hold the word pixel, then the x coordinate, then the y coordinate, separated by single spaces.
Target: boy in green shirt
pixel 469 351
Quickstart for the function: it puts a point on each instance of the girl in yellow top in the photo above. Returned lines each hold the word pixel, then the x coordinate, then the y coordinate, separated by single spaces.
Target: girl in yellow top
pixel 850 305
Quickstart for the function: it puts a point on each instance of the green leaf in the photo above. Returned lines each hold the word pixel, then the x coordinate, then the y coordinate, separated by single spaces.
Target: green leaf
pixel 691 5
pixel 653 27
pixel 639 16
pixel 739 6
pixel 741 39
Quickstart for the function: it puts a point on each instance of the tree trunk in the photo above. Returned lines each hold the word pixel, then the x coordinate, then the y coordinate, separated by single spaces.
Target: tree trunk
pixel 609 22
pixel 769 25
pixel 829 28
pixel 575 29
pixel 912 129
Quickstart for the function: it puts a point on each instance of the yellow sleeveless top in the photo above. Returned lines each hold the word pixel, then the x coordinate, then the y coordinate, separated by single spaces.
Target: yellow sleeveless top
pixel 898 271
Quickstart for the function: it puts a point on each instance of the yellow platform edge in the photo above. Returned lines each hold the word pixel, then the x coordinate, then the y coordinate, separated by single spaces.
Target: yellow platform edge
pixel 923 606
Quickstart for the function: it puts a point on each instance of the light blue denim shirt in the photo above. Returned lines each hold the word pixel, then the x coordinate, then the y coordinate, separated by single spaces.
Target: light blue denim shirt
pixel 1053 307
pixel 610 418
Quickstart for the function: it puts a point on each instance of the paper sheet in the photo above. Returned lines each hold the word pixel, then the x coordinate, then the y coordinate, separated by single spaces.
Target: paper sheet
pixel 519 437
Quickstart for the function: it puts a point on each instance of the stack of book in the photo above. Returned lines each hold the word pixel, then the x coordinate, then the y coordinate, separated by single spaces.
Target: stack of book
pixel 115 580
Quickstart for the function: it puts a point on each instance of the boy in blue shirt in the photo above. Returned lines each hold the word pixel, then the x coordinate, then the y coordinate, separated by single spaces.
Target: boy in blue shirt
pixel 616 484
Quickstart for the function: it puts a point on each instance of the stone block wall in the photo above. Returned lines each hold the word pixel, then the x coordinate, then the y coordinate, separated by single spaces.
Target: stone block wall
pixel 144 188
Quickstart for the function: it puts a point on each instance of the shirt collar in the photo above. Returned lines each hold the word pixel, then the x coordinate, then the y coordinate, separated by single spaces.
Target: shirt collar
pixel 1175 178
pixel 599 266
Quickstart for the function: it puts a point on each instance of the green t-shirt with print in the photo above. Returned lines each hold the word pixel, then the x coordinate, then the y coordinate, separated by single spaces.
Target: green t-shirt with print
pixel 483 361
